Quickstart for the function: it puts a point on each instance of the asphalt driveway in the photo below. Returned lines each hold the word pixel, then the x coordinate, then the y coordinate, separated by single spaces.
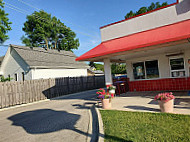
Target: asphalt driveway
pixel 64 119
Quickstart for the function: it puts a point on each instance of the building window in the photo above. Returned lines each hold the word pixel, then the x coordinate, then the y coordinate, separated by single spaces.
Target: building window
pixel 138 70
pixel 16 77
pixel 23 76
pixel 177 67
pixel 146 70
pixel 152 69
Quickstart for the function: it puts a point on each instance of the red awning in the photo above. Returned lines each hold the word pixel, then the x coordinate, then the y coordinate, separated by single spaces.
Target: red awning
pixel 169 33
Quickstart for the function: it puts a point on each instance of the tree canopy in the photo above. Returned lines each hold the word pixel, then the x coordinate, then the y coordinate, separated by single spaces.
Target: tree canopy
pixel 116 68
pixel 4 23
pixel 43 30
pixel 142 10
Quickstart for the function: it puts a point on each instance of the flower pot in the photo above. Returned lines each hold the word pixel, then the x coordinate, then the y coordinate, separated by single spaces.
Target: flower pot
pixel 112 91
pixel 166 106
pixel 106 103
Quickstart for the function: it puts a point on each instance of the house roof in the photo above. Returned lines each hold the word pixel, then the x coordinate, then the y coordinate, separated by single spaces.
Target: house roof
pixel 160 35
pixel 37 57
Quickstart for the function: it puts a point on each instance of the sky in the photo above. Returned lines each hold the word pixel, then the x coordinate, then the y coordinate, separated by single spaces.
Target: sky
pixel 84 17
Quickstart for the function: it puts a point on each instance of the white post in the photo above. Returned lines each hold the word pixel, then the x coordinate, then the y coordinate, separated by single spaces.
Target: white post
pixel 107 71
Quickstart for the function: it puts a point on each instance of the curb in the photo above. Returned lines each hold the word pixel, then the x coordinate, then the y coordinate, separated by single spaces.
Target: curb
pixel 95 130
pixel 101 126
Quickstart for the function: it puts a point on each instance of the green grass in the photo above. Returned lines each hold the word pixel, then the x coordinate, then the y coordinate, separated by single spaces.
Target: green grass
pixel 123 126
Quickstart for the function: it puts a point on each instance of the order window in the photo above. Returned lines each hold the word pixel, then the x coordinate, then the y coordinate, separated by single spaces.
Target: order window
pixel 146 70
pixel 177 67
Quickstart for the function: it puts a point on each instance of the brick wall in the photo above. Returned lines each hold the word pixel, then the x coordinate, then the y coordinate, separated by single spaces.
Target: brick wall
pixel 168 84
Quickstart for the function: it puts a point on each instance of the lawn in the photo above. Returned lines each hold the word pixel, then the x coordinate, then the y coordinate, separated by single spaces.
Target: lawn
pixel 124 126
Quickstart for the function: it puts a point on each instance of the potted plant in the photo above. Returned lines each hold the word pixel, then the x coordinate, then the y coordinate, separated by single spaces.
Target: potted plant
pixel 111 90
pixel 105 98
pixel 166 101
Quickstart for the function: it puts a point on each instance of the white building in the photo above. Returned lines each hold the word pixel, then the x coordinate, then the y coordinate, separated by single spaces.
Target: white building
pixel 155 47
pixel 27 63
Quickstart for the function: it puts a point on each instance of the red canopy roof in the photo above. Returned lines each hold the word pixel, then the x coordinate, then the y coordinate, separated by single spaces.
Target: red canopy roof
pixel 169 33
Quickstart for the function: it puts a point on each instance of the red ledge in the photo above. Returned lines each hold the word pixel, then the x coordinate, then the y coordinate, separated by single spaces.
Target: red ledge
pixel 140 14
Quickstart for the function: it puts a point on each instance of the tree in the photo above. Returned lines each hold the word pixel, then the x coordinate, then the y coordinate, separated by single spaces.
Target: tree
pixel 43 30
pixel 151 7
pixel 92 64
pixel 4 24
pixel 142 10
pixel 130 14
pixel 117 68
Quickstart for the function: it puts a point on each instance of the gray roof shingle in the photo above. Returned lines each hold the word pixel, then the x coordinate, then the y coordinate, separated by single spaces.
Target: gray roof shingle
pixel 40 58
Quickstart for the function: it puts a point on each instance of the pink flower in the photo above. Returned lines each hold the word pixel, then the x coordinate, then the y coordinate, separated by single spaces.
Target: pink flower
pixel 164 96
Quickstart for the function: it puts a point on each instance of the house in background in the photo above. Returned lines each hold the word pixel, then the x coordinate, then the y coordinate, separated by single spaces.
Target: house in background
pixel 93 72
pixel 27 63
pixel 155 47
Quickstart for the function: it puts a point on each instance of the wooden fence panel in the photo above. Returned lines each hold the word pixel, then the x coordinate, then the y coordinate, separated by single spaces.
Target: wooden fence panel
pixel 14 93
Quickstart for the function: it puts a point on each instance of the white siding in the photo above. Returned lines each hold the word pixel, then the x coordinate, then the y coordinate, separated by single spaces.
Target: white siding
pixel 13 64
pixel 166 16
pixel 55 73
pixel 163 64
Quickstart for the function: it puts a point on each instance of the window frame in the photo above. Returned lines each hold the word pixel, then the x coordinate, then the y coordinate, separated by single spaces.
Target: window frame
pixel 145 69
pixel 177 57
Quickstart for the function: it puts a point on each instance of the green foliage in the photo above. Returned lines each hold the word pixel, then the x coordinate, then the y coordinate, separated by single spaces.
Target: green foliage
pixel 3 79
pixel 117 68
pixel 92 64
pixel 126 126
pixel 99 67
pixel 43 30
pixel 142 10
pixel 4 24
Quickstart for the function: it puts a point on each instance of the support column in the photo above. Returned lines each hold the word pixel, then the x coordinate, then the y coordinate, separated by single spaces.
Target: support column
pixel 107 71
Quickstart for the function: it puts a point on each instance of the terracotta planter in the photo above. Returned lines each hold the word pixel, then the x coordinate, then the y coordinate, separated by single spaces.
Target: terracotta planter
pixel 106 103
pixel 166 106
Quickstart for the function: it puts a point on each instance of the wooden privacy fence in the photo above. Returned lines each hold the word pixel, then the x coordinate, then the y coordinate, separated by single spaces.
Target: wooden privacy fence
pixel 22 92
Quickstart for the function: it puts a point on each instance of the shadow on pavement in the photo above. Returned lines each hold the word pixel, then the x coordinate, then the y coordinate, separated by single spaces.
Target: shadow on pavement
pixel 142 108
pixel 45 121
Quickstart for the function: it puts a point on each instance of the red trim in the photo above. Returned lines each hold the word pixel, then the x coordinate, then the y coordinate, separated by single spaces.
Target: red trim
pixel 160 35
pixel 140 14
pixel 166 84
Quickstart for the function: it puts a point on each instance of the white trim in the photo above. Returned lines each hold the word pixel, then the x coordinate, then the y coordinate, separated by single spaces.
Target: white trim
pixel 184 65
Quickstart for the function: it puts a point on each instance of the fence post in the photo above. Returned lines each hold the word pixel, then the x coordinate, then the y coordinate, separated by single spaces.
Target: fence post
pixel 94 81
pixel 68 85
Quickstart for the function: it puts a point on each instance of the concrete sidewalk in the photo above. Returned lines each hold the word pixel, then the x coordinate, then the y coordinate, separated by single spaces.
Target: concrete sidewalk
pixel 63 119
pixel 144 101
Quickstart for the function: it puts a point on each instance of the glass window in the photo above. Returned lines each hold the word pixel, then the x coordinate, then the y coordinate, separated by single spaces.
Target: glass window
pixel 177 67
pixel 146 70
pixel 138 70
pixel 177 64
pixel 152 69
